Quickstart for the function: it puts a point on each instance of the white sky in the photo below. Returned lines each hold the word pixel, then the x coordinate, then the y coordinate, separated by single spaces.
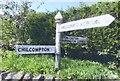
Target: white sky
pixel 59 0
pixel 52 5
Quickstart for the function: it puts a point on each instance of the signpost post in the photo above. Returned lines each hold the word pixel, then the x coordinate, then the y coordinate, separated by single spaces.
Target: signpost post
pixel 58 21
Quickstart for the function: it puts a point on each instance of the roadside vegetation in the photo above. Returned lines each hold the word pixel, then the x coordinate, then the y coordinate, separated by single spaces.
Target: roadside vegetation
pixel 31 28
pixel 45 64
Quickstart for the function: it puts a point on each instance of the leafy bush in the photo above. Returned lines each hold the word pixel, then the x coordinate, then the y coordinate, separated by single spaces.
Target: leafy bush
pixel 102 40
pixel 40 27
pixel 44 64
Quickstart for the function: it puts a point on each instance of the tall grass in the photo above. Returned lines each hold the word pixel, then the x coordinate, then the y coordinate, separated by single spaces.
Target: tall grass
pixel 45 64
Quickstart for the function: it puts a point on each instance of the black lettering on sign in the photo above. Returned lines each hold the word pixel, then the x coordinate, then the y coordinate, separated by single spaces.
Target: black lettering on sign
pixel 72 25
pixel 33 49
pixel 97 22
pixel 87 22
pixel 19 49
pixel 30 49
pixel 26 49
pixel 39 49
pixel 36 49
pixel 46 49
pixel 23 49
pixel 42 49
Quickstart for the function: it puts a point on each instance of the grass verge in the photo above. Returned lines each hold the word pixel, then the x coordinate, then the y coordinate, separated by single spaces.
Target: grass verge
pixel 45 64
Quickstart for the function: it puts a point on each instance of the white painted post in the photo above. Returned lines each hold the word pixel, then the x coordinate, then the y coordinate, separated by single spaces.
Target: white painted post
pixel 58 20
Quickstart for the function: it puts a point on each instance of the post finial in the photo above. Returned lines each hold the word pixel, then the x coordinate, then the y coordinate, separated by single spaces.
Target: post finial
pixel 58 16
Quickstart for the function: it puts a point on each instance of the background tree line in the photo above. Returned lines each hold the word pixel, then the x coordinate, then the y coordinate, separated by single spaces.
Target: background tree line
pixel 29 27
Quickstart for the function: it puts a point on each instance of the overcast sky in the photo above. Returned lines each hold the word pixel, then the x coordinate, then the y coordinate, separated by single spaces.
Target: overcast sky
pixel 52 6
pixel 59 0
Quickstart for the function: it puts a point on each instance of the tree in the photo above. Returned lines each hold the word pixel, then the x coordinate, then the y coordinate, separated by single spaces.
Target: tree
pixel 40 28
pixel 14 23
pixel 103 40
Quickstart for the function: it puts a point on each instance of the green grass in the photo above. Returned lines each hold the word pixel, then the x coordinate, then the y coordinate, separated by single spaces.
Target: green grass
pixel 45 64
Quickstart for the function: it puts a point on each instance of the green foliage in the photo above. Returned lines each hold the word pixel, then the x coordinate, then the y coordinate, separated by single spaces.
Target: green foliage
pixel 28 63
pixel 84 70
pixel 44 64
pixel 102 40
pixel 40 28
pixel 8 33
pixel 27 27
pixel 14 25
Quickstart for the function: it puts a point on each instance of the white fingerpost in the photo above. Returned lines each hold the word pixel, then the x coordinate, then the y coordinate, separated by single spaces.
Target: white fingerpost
pixel 58 20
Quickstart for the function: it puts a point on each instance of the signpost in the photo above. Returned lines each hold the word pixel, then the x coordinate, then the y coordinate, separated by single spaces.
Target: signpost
pixel 34 49
pixel 99 21
pixel 74 40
